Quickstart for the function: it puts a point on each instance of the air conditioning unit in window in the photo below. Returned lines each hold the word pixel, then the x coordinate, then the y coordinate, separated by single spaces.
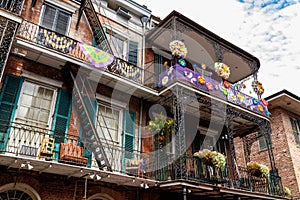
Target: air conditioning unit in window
pixel 123 12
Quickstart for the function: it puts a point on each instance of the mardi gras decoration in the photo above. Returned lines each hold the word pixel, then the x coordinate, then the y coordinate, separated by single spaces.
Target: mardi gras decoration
pixel 96 56
pixel 222 70
pixel 178 49
pixel 55 41
pixel 257 87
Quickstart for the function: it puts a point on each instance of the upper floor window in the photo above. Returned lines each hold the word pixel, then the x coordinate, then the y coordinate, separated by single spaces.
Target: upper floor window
pixel 262 144
pixel 296 129
pixel 122 47
pixel 55 19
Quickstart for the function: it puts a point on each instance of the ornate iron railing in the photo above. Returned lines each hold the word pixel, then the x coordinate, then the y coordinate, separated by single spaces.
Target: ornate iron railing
pixel 70 47
pixel 14 6
pixel 39 143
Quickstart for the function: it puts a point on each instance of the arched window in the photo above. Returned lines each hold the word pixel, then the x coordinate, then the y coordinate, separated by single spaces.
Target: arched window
pixel 100 196
pixel 18 191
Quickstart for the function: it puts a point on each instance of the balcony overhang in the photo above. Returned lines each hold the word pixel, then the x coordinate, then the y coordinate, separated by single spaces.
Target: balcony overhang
pixel 10 16
pixel 203 46
pixel 42 54
pixel 67 170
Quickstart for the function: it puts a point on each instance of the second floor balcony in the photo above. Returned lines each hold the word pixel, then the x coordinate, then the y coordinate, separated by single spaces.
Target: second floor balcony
pixel 51 48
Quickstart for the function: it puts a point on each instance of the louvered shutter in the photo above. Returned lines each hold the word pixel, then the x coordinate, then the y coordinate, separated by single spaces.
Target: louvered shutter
pixel 133 52
pixel 9 99
pixel 61 118
pixel 129 133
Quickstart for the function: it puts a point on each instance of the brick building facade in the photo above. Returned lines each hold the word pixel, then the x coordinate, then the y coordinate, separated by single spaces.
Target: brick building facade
pixel 76 128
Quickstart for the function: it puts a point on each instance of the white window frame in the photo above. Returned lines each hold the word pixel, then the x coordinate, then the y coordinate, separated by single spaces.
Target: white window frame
pixel 298 129
pixel 57 7
pixel 54 99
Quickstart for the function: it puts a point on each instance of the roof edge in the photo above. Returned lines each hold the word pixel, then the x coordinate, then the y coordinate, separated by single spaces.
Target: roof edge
pixel 282 92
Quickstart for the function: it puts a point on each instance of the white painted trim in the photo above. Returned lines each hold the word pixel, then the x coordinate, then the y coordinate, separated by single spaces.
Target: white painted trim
pixel 10 16
pixel 41 79
pixel 111 101
pixel 282 95
pixel 23 187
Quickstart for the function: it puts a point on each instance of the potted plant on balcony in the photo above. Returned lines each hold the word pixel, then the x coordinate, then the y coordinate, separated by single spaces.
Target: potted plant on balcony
pixel 212 158
pixel 161 127
pixel 287 192
pixel 258 170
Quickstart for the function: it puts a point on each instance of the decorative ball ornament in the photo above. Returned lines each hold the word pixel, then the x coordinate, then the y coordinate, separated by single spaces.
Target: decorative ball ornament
pixel 254 101
pixel 260 108
pixel 222 70
pixel 201 80
pixel 257 87
pixel 182 62
pixel 209 86
pixel 264 102
pixel 226 84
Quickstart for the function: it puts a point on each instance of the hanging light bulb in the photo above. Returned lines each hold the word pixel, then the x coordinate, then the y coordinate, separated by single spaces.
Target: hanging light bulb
pixel 98 177
pixel 92 176
pixel 29 166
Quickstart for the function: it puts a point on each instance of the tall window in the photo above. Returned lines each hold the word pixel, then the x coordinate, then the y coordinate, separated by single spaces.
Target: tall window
pixel 55 19
pixel 159 66
pixel 35 105
pixel 296 129
pixel 262 144
pixel 122 47
pixel 108 123
pixel 117 43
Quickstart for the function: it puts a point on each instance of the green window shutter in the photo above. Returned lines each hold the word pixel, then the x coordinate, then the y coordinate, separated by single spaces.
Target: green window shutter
pixel 62 115
pixel 133 52
pixel 129 133
pixel 295 126
pixel 8 103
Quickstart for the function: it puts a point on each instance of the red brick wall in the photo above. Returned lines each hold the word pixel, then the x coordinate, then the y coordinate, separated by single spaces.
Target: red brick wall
pixel 285 150
pixel 54 187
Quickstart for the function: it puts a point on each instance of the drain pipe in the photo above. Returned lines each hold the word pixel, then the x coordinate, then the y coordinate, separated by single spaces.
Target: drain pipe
pixel 140 125
pixel 144 21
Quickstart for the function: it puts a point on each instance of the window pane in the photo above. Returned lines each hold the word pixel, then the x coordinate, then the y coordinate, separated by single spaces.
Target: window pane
pixel 108 119
pixel 62 23
pixel 48 17
pixel 35 106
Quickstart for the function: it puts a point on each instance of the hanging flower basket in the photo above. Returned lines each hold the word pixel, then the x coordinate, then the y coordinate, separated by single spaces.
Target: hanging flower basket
pixel 212 158
pixel 258 170
pixel 178 49
pixel 222 70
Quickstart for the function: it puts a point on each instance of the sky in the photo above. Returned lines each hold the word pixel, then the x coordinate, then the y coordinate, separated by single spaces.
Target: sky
pixel 267 29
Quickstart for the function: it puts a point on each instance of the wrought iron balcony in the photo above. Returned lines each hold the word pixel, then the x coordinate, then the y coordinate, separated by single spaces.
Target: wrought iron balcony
pixel 205 82
pixel 70 48
pixel 14 6
pixel 34 143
